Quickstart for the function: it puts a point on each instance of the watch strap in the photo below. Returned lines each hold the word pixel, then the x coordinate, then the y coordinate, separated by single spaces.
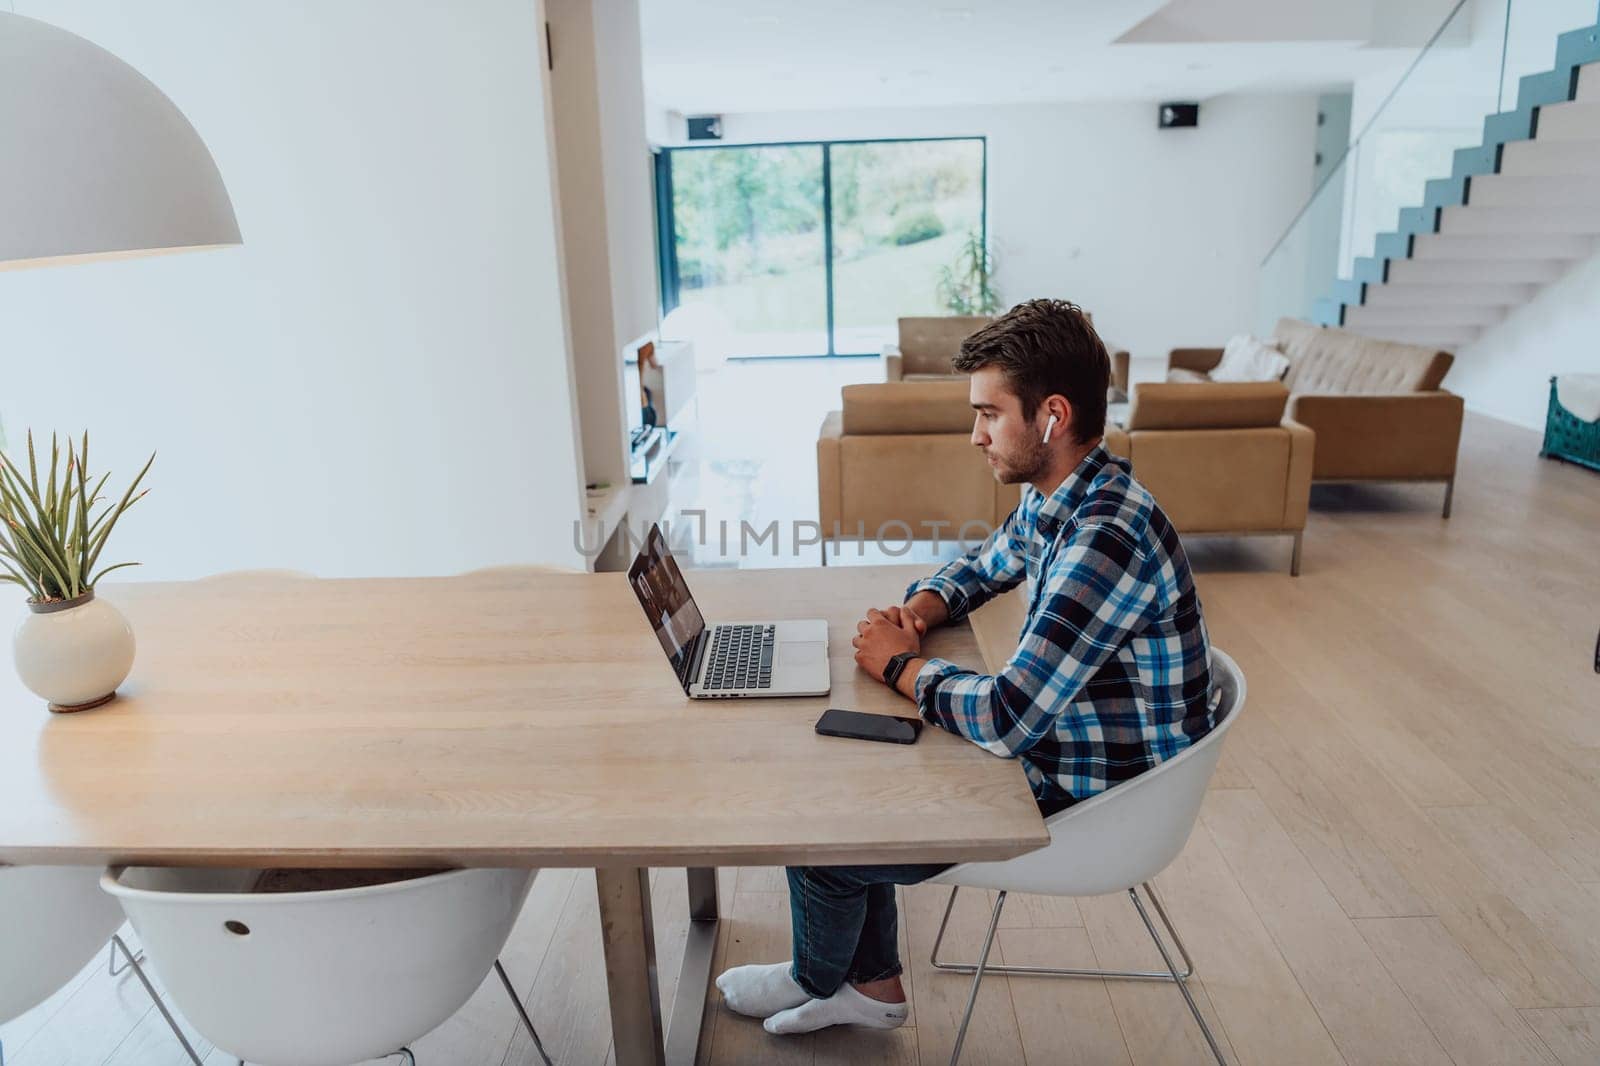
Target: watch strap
pixel 896 666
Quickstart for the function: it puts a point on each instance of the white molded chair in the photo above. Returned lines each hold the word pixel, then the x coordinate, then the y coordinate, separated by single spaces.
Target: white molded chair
pixel 53 920
pixel 322 977
pixel 1114 842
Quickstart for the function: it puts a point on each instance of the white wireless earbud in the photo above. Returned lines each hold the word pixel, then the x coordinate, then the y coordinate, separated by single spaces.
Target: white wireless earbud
pixel 1048 426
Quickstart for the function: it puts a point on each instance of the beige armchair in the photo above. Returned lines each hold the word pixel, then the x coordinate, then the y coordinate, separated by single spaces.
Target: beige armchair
pixel 1220 458
pixel 897 462
pixel 928 346
pixel 1376 406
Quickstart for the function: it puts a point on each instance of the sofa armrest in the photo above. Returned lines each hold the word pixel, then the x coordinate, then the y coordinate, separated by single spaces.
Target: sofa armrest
pixel 830 472
pixel 1403 436
pixel 1297 490
pixel 1119 370
pixel 1200 360
pixel 892 363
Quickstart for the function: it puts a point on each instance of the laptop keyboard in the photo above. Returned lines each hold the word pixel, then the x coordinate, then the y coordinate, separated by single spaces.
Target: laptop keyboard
pixel 740 658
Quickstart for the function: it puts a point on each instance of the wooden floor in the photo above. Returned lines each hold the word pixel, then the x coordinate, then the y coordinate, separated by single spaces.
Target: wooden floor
pixel 1398 861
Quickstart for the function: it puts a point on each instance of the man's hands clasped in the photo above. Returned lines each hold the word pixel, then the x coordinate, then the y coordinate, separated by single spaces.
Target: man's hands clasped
pixel 881 635
pixel 885 633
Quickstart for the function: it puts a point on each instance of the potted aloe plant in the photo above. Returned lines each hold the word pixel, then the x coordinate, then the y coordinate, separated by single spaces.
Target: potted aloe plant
pixel 71 649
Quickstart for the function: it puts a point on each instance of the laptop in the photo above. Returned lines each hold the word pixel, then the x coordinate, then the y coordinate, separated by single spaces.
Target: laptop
pixel 729 659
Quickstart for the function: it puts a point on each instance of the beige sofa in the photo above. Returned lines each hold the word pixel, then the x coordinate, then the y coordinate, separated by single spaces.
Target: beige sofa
pixel 1220 458
pixel 902 453
pixel 1376 406
pixel 928 346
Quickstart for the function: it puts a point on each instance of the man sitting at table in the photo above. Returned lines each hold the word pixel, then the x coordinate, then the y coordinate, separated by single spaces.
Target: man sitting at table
pixel 1109 677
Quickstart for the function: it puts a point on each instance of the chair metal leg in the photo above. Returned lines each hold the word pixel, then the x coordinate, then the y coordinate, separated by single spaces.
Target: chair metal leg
pixel 172 1023
pixel 1183 986
pixel 1449 495
pixel 111 959
pixel 1049 971
pixel 527 1022
pixel 1294 560
pixel 977 973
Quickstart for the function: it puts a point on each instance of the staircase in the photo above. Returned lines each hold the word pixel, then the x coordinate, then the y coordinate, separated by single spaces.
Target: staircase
pixel 1515 213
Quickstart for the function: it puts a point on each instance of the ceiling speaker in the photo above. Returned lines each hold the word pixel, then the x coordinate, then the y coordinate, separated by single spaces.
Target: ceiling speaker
pixel 705 127
pixel 1174 116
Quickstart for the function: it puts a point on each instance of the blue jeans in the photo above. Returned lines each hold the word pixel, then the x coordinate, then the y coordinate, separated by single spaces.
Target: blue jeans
pixel 846 926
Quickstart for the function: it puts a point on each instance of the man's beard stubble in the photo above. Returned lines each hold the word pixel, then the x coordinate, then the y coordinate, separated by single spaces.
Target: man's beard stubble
pixel 1026 465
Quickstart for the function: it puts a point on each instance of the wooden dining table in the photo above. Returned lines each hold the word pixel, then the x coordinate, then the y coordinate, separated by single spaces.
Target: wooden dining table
pixel 521 719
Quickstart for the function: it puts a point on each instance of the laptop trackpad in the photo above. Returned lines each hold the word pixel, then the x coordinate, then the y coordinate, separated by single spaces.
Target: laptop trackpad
pixel 801 654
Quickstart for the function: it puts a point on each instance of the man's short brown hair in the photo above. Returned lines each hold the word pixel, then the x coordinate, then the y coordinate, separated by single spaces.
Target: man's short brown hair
pixel 1045 347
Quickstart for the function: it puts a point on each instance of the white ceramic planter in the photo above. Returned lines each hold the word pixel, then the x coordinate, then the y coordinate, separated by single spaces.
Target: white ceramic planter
pixel 74 653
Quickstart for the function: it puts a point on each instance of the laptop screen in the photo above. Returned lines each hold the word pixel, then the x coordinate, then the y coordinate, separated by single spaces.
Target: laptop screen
pixel 664 595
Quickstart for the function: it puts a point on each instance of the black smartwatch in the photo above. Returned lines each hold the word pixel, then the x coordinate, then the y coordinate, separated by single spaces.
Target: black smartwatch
pixel 897 666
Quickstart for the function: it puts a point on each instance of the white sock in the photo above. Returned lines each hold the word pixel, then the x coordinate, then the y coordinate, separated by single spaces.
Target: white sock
pixel 844 1007
pixel 759 991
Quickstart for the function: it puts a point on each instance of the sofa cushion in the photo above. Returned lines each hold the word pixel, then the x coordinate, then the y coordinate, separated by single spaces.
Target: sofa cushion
pixel 1327 360
pixel 908 407
pixel 1245 358
pixel 1207 405
pixel 1183 375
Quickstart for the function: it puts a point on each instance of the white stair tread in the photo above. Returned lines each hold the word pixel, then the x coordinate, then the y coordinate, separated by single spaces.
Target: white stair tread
pixel 1588 82
pixel 1511 190
pixel 1520 246
pixel 1550 157
pixel 1520 221
pixel 1447 338
pixel 1572 120
pixel 1476 271
pixel 1424 315
pixel 1411 294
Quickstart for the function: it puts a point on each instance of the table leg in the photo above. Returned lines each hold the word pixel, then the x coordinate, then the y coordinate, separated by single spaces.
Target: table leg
pixel 628 931
pixel 699 953
pixel 628 934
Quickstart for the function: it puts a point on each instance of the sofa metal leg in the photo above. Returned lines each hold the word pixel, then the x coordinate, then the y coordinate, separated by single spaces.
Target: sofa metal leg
pixel 1294 560
pixel 1449 494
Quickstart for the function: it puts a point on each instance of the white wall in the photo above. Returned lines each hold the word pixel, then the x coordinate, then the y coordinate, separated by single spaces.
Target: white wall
pixel 1159 233
pixel 1506 372
pixel 378 381
pixel 607 211
pixel 629 180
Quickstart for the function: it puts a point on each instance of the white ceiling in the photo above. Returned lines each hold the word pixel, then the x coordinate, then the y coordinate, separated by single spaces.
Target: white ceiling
pixel 729 56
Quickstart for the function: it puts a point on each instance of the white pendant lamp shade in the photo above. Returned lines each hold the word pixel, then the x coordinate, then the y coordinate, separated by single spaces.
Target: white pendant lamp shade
pixel 95 162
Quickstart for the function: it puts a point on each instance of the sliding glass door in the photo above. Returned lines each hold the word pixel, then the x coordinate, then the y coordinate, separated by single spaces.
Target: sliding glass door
pixel 748 239
pixel 816 248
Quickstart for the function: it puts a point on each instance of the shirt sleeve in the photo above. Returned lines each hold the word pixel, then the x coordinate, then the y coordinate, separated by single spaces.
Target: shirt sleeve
pixel 1098 595
pixel 997 565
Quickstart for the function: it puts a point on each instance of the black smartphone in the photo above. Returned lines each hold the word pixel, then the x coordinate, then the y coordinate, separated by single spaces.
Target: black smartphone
pixel 857 726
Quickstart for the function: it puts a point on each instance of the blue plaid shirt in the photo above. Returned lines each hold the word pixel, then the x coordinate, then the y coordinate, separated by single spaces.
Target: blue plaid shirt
pixel 1110 676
